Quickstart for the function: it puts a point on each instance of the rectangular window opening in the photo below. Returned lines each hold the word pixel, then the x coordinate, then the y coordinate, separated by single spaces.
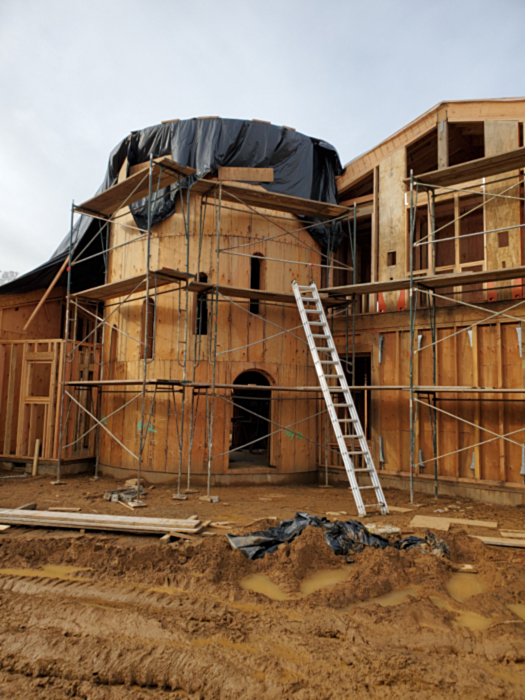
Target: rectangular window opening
pixel 255 280
pixel 148 329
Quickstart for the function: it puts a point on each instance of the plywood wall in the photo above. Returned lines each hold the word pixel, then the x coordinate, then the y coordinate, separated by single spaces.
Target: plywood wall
pixel 283 359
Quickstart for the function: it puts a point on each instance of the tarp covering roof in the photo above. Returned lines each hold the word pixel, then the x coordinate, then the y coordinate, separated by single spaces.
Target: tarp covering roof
pixel 303 167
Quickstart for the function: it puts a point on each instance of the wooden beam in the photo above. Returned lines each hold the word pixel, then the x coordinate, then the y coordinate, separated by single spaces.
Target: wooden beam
pixel 443 144
pixel 246 174
pixel 46 294
pixel 474 169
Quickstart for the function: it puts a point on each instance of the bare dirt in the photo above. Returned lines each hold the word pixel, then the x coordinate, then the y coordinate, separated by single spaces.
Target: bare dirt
pixel 111 616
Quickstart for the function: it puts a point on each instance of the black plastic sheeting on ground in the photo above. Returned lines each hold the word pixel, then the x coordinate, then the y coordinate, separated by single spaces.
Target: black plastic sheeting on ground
pixel 303 167
pixel 344 537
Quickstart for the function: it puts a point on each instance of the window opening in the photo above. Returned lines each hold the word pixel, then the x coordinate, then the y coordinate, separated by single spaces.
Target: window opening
pixel 147 334
pixel 201 316
pixel 255 280
pixel 422 155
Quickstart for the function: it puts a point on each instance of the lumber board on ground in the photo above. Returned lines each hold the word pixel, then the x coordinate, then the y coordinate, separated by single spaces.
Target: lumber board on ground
pixel 95 521
pixel 158 278
pixel 442 523
pixel 474 169
pixel 500 541
pixel 246 174
pixel 513 534
pixel 165 172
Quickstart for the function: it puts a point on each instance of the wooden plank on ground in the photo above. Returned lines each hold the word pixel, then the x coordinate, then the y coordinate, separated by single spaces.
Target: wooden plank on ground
pixel 513 534
pixel 441 523
pixel 64 509
pixel 92 521
pixel 500 541
pixel 398 509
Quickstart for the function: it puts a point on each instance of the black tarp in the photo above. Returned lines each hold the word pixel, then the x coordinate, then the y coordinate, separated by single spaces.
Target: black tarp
pixel 344 537
pixel 303 167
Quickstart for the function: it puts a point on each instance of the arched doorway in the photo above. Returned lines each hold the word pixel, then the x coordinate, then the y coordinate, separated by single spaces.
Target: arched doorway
pixel 249 432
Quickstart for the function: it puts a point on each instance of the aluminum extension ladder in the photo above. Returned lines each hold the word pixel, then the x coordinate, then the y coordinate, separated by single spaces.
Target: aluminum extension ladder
pixel 333 381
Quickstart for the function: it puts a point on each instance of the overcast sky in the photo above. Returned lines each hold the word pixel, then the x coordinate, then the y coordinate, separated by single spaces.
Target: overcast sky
pixel 77 76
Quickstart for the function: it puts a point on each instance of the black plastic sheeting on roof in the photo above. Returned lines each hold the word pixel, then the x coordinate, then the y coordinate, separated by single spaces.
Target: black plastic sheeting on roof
pixel 303 167
pixel 343 537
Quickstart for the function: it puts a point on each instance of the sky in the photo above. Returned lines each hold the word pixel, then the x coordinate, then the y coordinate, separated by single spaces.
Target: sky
pixel 77 76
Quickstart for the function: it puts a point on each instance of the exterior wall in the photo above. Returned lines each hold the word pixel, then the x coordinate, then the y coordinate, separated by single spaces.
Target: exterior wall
pixel 489 356
pixel 15 310
pixel 283 360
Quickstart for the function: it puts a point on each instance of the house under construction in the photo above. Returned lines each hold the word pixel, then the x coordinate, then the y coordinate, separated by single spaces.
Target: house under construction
pixel 165 336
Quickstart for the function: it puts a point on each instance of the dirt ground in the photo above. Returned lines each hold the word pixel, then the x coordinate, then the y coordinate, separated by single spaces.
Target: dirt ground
pixel 111 616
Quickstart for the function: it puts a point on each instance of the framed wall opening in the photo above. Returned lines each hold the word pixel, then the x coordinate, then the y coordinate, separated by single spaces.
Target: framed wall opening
pixel 422 155
pixel 201 308
pixel 256 279
pixel 247 430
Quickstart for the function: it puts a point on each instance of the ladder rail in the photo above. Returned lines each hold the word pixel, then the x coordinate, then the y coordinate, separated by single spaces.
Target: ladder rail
pixel 319 321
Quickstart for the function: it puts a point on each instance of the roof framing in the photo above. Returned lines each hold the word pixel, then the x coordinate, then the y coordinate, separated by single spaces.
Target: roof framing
pixel 455 111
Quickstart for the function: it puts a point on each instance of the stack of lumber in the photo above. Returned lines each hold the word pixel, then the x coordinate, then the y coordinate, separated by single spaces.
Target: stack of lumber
pixel 92 521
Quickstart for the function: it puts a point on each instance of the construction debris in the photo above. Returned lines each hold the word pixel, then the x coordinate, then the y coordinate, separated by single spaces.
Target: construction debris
pixel 343 537
pixel 209 499
pixel 124 494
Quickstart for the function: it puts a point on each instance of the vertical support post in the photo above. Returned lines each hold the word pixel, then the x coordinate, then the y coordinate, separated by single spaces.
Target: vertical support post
pixel 186 220
pixel 35 457
pixel 62 429
pixel 214 351
pixel 413 304
pixel 145 339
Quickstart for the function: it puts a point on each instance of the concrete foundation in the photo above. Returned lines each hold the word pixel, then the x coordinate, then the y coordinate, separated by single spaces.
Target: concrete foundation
pixel 251 477
pixel 496 492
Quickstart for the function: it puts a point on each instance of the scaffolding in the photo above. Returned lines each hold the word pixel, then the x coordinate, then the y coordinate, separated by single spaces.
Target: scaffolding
pixel 442 184
pixel 215 195
pixel 149 185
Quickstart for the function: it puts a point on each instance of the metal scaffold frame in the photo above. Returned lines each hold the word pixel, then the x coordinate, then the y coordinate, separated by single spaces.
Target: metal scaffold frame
pixel 147 283
pixel 417 288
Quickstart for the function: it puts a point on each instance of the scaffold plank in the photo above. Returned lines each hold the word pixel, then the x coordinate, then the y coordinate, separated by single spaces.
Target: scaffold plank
pixel 135 187
pixel 474 169
pixel 158 278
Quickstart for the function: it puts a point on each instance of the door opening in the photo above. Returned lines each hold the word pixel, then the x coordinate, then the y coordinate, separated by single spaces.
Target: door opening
pixel 248 431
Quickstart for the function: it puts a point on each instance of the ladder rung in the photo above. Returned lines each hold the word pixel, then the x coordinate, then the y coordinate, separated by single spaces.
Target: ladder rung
pixel 303 287
pixel 362 470
pixel 373 505
pixel 324 349
pixel 357 453
pixel 328 362
pixel 362 488
pixel 313 311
